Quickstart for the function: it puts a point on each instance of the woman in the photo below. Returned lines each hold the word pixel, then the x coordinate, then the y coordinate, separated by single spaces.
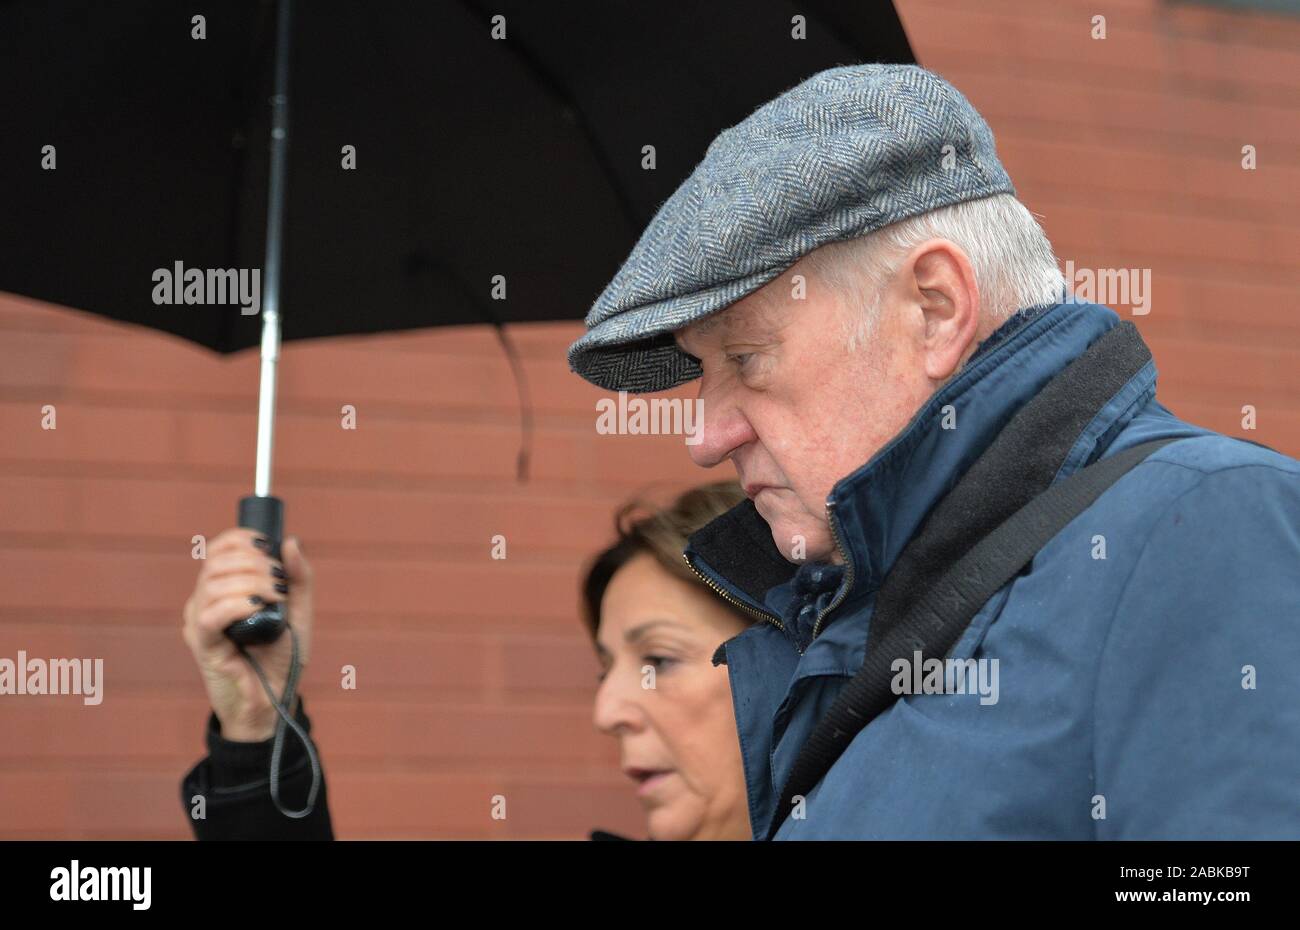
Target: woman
pixel 655 626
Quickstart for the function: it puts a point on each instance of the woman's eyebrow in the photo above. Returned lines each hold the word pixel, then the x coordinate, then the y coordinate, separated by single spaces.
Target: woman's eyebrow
pixel 638 631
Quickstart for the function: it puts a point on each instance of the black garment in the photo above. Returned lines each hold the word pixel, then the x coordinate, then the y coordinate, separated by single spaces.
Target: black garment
pixel 234 781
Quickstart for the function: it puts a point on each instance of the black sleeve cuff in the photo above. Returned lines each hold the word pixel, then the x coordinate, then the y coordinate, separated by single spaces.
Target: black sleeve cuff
pixel 236 765
pixel 231 788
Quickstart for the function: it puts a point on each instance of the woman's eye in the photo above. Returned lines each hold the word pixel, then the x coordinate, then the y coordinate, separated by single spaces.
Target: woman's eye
pixel 740 358
pixel 658 661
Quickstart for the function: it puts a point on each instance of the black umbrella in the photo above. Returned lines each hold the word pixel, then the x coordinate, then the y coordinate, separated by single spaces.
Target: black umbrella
pixel 451 162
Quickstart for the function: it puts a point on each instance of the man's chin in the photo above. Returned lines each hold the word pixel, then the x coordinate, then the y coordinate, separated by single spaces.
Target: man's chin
pixel 798 542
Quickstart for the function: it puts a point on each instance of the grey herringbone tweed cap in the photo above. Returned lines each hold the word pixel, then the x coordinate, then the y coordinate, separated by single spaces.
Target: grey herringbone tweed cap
pixel 846 152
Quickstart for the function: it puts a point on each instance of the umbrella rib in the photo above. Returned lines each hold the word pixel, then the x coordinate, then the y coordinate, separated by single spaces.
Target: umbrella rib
pixel 486 311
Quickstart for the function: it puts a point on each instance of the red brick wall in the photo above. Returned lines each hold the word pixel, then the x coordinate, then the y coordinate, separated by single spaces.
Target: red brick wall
pixel 474 678
pixel 1129 148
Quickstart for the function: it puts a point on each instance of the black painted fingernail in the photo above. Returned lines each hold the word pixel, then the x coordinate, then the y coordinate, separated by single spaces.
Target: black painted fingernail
pixel 282 587
pixel 277 571
pixel 262 543
pixel 255 600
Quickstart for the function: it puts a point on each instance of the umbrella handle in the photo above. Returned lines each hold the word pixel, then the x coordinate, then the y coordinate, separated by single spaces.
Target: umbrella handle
pixel 266 515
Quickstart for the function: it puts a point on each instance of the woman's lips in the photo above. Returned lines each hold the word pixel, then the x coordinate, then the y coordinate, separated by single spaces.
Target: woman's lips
pixel 647 779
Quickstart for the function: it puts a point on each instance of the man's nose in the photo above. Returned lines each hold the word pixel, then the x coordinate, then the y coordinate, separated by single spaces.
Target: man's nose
pixel 724 428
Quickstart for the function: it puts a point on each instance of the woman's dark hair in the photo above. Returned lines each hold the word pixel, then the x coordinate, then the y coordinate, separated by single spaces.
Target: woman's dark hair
pixel 660 532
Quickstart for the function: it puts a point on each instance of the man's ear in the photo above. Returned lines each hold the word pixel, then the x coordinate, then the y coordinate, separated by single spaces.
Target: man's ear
pixel 949 301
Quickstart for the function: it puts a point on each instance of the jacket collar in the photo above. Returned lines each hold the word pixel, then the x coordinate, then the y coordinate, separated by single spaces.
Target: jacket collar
pixel 877 509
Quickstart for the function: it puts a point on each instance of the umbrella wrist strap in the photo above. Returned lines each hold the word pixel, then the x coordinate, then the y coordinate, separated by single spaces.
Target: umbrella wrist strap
pixel 285 722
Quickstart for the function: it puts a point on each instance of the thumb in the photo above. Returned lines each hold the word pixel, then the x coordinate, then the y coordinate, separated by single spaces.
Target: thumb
pixel 295 563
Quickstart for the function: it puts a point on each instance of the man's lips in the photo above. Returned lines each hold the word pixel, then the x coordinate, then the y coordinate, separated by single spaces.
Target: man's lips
pixel 751 490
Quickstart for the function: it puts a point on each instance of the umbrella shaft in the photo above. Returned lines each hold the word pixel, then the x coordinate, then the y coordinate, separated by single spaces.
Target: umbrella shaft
pixel 266 402
pixel 274 247
pixel 279 154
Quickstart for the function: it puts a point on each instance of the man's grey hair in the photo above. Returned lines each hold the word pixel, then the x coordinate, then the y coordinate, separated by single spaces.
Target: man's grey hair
pixel 1012 258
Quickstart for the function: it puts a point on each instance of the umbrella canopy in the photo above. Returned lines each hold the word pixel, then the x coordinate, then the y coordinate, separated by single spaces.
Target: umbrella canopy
pixel 445 163
pixel 432 148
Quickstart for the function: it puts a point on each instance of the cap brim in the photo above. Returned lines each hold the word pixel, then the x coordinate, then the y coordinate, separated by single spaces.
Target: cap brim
pixel 634 351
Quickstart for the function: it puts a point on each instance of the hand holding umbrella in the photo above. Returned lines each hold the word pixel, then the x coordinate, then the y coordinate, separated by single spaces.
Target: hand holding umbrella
pixel 237 573
pixel 242 681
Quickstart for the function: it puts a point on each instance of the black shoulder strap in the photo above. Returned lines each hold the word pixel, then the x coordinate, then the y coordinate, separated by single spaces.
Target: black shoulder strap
pixel 935 621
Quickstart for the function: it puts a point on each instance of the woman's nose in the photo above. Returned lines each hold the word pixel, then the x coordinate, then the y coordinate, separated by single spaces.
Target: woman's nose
pixel 615 707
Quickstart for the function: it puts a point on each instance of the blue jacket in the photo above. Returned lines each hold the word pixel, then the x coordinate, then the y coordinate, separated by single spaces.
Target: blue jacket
pixel 1151 693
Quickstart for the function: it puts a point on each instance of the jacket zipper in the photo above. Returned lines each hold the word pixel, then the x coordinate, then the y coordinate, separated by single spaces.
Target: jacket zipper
pixel 848 563
pixel 760 614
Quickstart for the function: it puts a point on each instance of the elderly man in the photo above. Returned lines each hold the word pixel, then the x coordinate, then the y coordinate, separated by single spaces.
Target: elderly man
pixel 1003 591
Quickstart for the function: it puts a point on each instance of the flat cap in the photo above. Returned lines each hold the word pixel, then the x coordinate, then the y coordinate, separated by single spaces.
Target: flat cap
pixel 850 150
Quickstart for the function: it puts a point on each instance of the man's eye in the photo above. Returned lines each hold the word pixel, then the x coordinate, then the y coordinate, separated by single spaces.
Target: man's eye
pixel 740 358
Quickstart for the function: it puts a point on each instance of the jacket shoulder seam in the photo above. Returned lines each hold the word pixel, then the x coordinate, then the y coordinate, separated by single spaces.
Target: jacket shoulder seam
pixel 1158 459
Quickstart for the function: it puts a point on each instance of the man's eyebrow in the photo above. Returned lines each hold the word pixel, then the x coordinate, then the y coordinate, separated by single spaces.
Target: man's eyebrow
pixel 680 342
pixel 701 327
pixel 709 323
